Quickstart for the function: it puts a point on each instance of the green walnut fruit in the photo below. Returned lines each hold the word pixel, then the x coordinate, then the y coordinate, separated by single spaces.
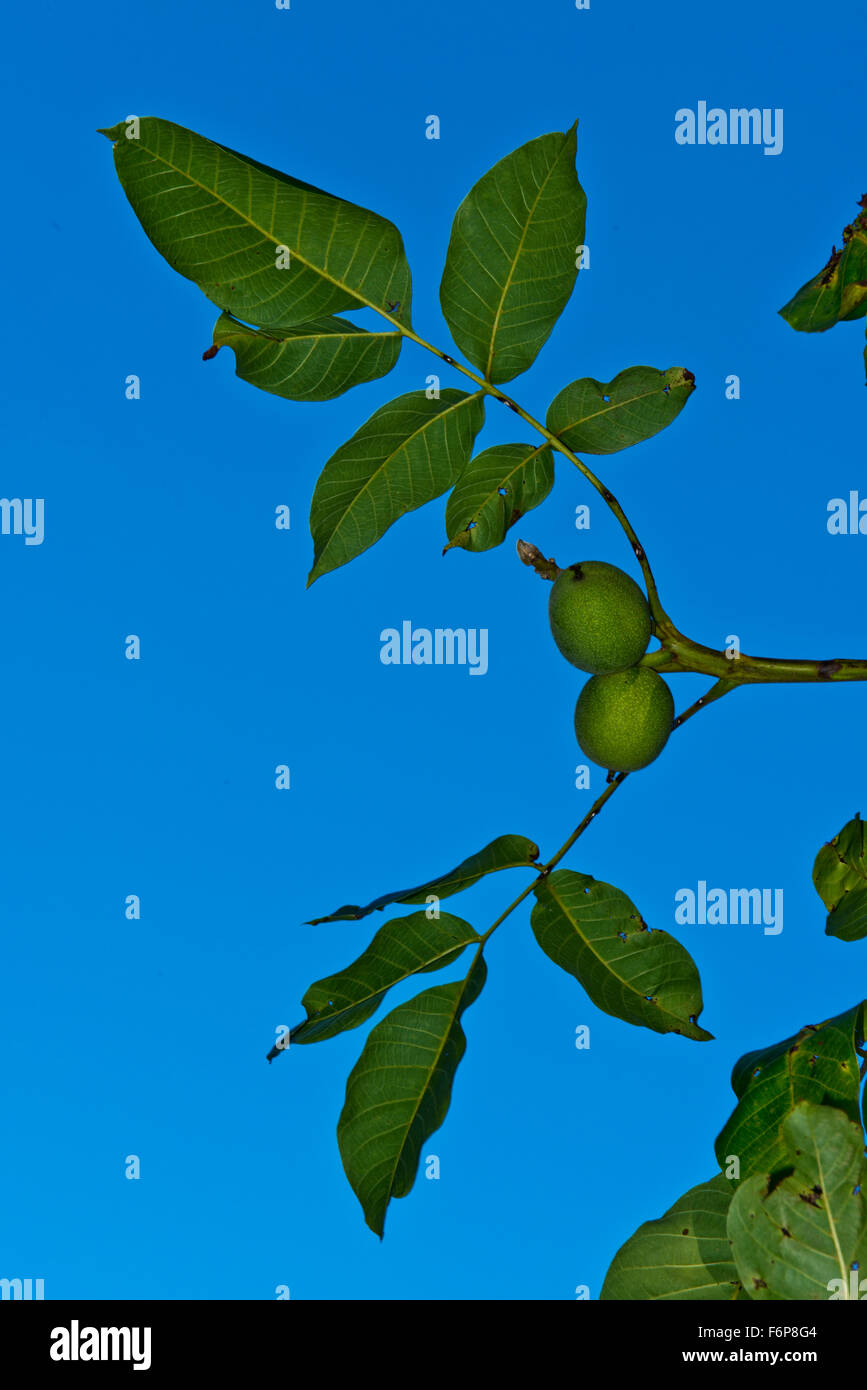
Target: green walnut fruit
pixel 599 617
pixel 623 721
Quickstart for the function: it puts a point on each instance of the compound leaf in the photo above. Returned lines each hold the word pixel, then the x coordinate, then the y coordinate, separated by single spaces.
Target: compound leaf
pixel 513 256
pixel 595 933
pixel 685 1254
pixel 410 451
pixel 506 852
pixel 805 1237
pixel 597 417
pixel 840 878
pixel 313 361
pixel 260 244
pixel 399 1092
pixel 495 490
pixel 819 1064
pixel 407 946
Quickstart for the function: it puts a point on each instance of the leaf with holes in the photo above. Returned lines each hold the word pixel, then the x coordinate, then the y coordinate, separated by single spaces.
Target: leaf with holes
pixel 805 1237
pixel 407 453
pixel 313 361
pixel 513 256
pixel 506 852
pixel 839 291
pixel 840 878
pixel 595 933
pixel 819 1064
pixel 407 946
pixel 495 490
pixel 684 1254
pixel 597 417
pixel 399 1092
pixel 260 244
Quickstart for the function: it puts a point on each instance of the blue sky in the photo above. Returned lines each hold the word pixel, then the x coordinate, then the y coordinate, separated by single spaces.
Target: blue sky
pixel 156 777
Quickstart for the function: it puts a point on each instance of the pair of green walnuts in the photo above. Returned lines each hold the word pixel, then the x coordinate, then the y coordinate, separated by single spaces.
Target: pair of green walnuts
pixel 601 623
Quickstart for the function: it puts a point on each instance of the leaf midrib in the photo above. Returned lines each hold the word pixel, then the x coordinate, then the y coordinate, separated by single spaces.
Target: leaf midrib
pixel 609 406
pixel 506 477
pixel 832 1224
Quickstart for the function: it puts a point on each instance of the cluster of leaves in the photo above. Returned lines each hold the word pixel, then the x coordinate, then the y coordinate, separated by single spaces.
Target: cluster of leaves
pixel 286 261
pixel 786 1216
pixel 839 292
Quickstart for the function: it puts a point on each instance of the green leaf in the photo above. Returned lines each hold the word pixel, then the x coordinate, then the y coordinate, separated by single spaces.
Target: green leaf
pixel 399 1091
pixel 685 1254
pixel 818 1064
pixel 512 258
pixel 407 453
pixel 839 291
pixel 792 1240
pixel 598 417
pixel 506 852
pixel 219 218
pixel 495 490
pixel 840 878
pixel 407 946
pixel 313 361
pixel 595 933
